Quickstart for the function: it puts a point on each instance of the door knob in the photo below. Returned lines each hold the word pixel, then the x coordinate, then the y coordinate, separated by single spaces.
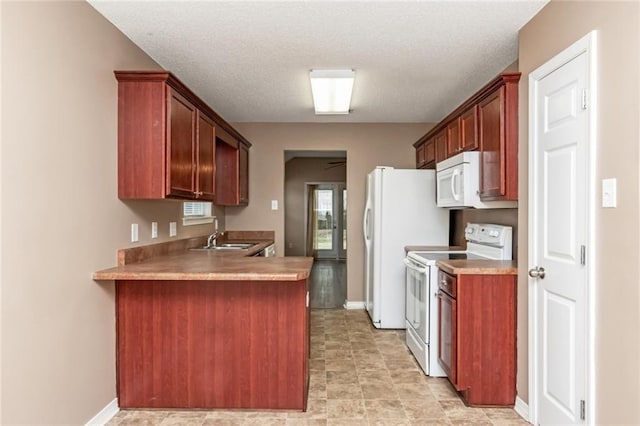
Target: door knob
pixel 537 272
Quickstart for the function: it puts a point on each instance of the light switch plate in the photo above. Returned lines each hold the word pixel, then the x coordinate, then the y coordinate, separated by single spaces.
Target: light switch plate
pixel 134 232
pixel 609 193
pixel 173 229
pixel 154 229
pixel 274 204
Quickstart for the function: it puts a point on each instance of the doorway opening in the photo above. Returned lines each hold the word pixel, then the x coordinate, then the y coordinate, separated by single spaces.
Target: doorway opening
pixel 315 211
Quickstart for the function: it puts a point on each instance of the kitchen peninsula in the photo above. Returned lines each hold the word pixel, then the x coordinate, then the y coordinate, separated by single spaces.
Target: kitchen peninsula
pixel 210 329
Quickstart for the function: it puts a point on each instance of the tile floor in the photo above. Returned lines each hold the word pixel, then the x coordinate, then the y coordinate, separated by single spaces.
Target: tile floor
pixel 359 376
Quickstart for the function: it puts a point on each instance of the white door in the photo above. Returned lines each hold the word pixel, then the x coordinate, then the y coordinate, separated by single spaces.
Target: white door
pixel 559 188
pixel 330 227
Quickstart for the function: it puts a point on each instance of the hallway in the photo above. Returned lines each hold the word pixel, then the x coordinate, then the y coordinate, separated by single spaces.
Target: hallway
pixel 328 284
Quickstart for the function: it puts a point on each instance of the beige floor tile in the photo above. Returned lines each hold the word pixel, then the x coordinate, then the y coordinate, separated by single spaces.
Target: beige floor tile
pixel 431 423
pixel 338 353
pixel 347 422
pixel 344 392
pixel 306 422
pixel 471 422
pixel 316 409
pixel 346 377
pixel 185 418
pixel 334 364
pixel 268 414
pixel 371 376
pixel 317 365
pixel 402 364
pixel 346 409
pixel 423 409
pixel 390 422
pixel 369 363
pixel 264 422
pixel 443 391
pixel 408 377
pixel 413 391
pixel 226 414
pixel 333 345
pixel 222 422
pixel 457 411
pixel 378 391
pixel 378 409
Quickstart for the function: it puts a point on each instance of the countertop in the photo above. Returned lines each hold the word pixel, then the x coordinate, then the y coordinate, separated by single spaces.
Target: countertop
pixel 433 248
pixel 174 261
pixel 478 267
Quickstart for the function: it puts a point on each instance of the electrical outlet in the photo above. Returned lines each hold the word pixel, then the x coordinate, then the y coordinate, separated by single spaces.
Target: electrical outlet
pixel 173 229
pixel 290 244
pixel 134 232
pixel 154 229
pixel 609 193
pixel 274 204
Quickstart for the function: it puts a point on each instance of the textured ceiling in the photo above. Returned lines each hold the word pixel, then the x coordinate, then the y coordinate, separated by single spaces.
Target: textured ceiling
pixel 414 61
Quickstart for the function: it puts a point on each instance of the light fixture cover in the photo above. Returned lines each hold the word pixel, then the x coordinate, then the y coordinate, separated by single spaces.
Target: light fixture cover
pixel 332 90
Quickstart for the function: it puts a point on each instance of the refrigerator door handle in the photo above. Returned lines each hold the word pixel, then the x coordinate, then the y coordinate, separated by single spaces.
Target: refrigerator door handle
pixel 367 214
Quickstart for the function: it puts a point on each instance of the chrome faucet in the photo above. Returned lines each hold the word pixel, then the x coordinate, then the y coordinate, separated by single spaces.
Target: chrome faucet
pixel 211 241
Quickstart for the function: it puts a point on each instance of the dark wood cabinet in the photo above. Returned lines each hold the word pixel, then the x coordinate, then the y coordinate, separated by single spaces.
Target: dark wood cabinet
pixel 420 159
pixel 477 336
pixel 469 129
pixel 426 154
pixel 498 139
pixel 487 121
pixel 212 344
pixel 181 146
pixel 206 158
pixel 244 174
pixel 232 163
pixel 454 140
pixel 167 139
pixel 440 142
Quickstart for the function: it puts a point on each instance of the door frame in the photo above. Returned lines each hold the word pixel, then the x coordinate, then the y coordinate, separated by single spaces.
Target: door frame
pixel 586 45
pixel 337 188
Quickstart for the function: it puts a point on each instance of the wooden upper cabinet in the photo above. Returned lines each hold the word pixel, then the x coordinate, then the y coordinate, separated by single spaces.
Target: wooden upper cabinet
pixel 469 129
pixel 244 174
pixel 206 165
pixel 167 139
pixel 488 122
pixel 498 140
pixel 454 141
pixel 232 165
pixel 181 146
pixel 440 142
pixel 420 156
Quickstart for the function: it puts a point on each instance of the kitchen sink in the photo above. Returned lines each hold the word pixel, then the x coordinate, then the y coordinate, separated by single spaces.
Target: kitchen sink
pixel 227 246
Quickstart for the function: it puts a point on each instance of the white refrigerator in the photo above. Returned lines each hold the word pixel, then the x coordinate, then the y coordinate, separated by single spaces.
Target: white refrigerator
pixel 400 210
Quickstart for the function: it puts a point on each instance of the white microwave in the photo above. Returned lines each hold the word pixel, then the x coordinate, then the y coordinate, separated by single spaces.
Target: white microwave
pixel 458 183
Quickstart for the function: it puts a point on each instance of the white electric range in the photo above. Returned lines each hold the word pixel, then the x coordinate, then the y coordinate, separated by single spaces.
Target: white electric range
pixel 484 241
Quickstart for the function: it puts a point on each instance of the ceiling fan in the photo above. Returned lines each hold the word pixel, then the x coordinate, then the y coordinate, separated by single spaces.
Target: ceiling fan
pixel 333 164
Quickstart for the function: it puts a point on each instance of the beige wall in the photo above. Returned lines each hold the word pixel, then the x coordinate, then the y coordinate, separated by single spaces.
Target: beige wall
pixel 299 171
pixel 617 321
pixel 367 146
pixel 61 219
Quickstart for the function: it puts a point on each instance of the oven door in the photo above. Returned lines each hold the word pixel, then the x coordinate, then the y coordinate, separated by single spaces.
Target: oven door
pixel 417 308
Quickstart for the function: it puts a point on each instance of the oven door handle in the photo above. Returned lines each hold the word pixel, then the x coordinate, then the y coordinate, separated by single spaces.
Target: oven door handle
pixel 409 264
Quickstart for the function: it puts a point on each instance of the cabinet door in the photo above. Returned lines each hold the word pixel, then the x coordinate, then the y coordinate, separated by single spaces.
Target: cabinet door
pixel 492 145
pixel 440 141
pixel 180 179
pixel 469 129
pixel 227 174
pixel 430 153
pixel 420 156
pixel 454 143
pixel 447 335
pixel 206 161
pixel 244 174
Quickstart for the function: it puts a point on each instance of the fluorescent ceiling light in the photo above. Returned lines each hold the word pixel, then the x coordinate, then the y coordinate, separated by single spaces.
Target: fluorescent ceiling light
pixel 332 90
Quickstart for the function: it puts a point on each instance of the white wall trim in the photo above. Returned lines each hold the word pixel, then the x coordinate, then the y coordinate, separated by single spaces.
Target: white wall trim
pixel 521 408
pixel 353 305
pixel 586 45
pixel 106 414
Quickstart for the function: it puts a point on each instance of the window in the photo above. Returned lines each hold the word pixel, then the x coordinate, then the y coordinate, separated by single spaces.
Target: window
pixel 196 213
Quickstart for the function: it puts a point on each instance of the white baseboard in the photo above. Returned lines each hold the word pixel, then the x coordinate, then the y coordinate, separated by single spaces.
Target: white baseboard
pixel 522 408
pixel 353 305
pixel 106 414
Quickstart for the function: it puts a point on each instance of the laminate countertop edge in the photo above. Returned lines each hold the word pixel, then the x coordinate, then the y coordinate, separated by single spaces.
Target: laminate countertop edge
pixel 478 267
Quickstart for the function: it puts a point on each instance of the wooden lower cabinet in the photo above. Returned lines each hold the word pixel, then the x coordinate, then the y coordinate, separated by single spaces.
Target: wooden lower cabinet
pixel 212 344
pixel 477 337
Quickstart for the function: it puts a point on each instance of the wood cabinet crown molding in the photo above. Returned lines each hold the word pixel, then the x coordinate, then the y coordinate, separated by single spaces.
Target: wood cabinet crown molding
pixel 512 77
pixel 180 87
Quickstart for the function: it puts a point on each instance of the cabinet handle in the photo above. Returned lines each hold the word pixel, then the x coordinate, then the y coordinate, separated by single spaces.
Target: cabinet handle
pixel 443 282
